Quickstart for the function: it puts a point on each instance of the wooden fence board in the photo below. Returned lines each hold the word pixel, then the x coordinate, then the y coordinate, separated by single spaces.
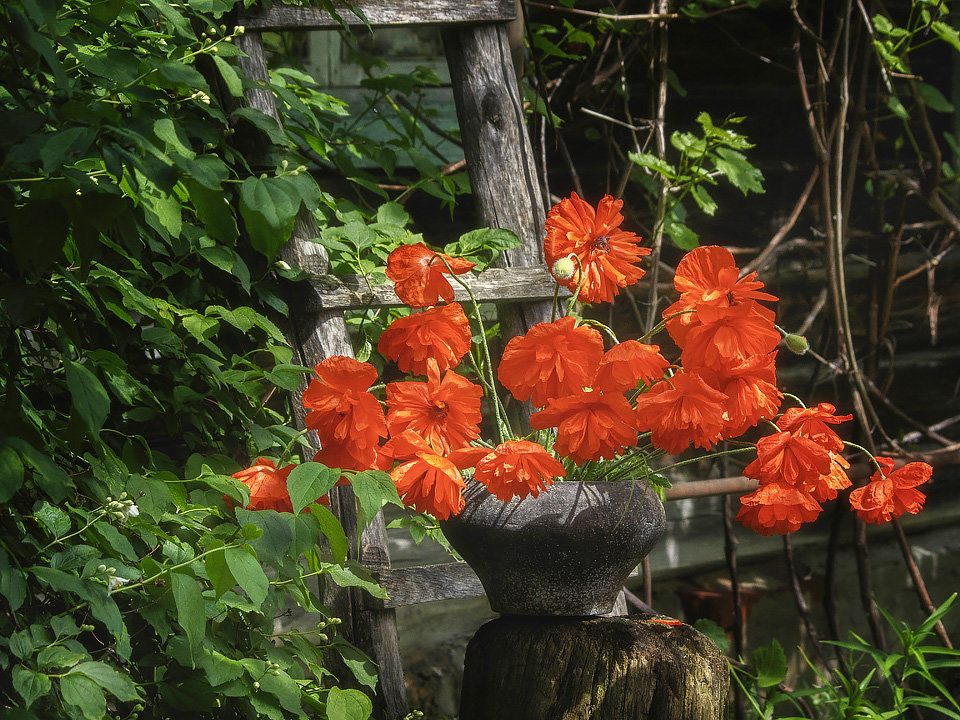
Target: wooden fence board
pixel 382 13
pixel 494 285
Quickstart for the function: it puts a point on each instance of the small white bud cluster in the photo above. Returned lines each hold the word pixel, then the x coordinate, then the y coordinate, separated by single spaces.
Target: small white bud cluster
pixel 122 509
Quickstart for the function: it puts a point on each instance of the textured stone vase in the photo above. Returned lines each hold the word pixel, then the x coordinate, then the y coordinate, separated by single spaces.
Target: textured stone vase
pixel 566 552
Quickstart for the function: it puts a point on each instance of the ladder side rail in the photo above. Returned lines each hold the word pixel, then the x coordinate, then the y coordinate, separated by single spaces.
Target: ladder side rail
pixel 319 335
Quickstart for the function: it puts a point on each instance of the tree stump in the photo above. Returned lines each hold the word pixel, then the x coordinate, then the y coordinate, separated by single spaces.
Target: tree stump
pixel 545 668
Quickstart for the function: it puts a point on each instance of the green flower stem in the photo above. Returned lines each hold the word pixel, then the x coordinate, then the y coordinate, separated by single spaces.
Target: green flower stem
pixel 170 569
pixel 553 307
pixel 288 449
pixel 797 400
pixel 576 296
pixel 503 426
pixel 708 455
pixel 57 541
pixel 865 452
pixel 663 323
pixel 598 324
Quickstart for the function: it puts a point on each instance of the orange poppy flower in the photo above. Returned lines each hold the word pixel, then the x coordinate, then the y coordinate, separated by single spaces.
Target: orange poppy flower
pixel 812 423
pixel 777 508
pixel 268 486
pixel 590 425
pixel 707 279
pixel 342 412
pixel 608 255
pixel 827 486
pixel 709 276
pixel 787 458
pixel 430 484
pixel 682 410
pixel 550 360
pixel 418 274
pixel 626 364
pixel 441 333
pixel 445 413
pixel 751 389
pixel 518 467
pixel 726 335
pixel 891 493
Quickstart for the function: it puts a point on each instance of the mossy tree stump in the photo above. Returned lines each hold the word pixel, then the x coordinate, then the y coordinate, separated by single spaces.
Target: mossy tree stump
pixel 544 668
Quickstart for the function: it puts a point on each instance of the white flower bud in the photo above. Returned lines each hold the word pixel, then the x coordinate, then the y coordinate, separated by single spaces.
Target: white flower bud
pixel 564 268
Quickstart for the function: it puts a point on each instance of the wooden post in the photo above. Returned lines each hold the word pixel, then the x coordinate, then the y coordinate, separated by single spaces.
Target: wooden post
pixel 500 161
pixel 540 668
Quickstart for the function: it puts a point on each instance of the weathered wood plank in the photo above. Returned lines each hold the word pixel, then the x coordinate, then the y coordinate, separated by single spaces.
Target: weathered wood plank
pixel 494 285
pixel 318 335
pixel 381 13
pixel 500 159
pixel 426 583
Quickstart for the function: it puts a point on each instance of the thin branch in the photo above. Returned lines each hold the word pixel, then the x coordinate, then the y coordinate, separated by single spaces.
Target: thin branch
pixel 606 16
pixel 925 602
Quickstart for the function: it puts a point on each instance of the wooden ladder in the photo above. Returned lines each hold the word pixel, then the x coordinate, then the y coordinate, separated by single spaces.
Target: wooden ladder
pixel 504 180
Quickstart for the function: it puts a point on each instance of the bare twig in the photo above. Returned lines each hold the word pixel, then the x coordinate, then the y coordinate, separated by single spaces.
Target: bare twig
pixel 606 16
pixel 925 602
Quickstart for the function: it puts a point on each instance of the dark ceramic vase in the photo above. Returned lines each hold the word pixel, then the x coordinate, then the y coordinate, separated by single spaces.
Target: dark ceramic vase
pixel 566 552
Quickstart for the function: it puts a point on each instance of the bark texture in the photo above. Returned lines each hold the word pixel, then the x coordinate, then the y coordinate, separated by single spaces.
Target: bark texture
pixel 537 668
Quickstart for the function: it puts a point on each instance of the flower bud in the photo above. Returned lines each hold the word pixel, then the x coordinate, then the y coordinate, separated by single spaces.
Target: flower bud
pixel 797 344
pixel 564 268
pixel 256 684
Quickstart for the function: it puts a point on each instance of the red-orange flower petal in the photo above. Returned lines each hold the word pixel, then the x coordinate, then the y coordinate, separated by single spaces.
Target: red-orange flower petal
pixel 268 486
pixel 590 425
pixel 827 486
pixel 608 255
pixel 624 365
pixel 430 484
pixel 777 508
pixel 441 333
pixel 342 412
pixel 751 389
pixel 446 413
pixel 418 274
pixel 813 423
pixel 550 360
pixel 727 335
pixel 518 468
pixel 891 493
pixel 787 458
pixel 709 275
pixel 682 410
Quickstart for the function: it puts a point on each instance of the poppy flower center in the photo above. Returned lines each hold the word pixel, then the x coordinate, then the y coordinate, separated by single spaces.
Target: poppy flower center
pixel 440 409
pixel 601 243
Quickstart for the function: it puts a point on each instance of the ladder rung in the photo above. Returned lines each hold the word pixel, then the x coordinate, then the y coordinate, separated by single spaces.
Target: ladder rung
pixel 382 12
pixel 493 285
pixel 426 583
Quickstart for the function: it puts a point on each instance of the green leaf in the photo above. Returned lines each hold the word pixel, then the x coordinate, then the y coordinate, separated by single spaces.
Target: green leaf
pixel 191 613
pixel 374 489
pixel 89 397
pixel 897 108
pixel 167 131
pixel 353 574
pixel 11 473
pixel 219 668
pixel 274 542
pixel 714 632
pixel 348 705
pixel 215 212
pixel 308 482
pixel 269 207
pixel 229 75
pixel 330 526
pixel 248 573
pixel 31 685
pixel 770 664
pixel 54 519
pixel 57 656
pixel 738 170
pixel 284 688
pixel 933 98
pixel 219 573
pixel 682 236
pixel 110 679
pixel 83 693
pixel 362 667
pixel 13 583
pixel 703 199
